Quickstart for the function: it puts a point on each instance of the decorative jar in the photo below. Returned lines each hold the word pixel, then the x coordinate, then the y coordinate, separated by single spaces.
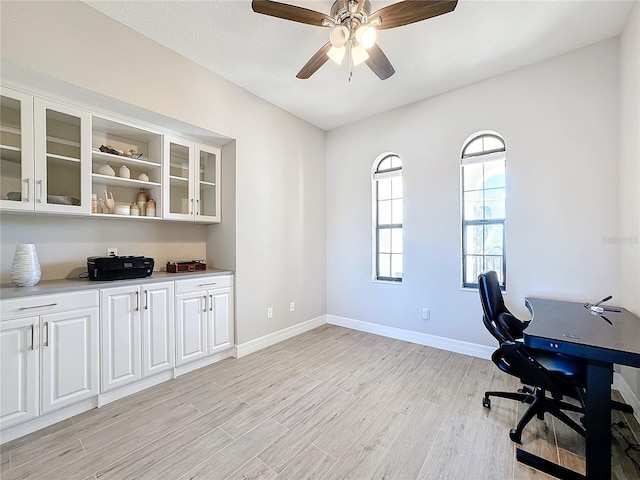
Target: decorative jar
pixel 25 270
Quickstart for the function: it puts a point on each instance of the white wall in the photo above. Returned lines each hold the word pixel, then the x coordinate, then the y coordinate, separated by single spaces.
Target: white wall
pixel 64 243
pixel 629 237
pixel 559 119
pixel 279 210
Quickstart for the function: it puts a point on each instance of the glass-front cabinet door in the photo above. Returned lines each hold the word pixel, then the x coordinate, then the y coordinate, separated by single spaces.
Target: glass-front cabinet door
pixel 62 158
pixel 16 150
pixel 178 185
pixel 207 184
pixel 191 181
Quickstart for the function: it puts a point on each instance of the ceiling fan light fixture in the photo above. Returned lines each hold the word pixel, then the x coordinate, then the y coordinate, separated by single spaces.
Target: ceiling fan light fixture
pixel 337 54
pixel 359 54
pixel 339 36
pixel 366 36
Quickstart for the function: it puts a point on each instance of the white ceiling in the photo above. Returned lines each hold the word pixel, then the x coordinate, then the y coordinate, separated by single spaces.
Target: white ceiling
pixel 262 54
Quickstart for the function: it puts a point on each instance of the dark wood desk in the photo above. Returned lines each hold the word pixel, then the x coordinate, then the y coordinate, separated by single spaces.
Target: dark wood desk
pixel 602 340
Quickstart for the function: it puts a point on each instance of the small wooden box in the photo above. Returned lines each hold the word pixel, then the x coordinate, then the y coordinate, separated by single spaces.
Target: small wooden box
pixel 186 266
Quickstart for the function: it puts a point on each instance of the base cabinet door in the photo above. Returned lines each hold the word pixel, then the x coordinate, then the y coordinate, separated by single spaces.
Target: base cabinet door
pixel 191 327
pixel 158 350
pixel 120 336
pixel 69 349
pixel 18 370
pixel 221 313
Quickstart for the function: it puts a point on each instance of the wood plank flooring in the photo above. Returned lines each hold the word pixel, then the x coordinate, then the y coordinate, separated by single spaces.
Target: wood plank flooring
pixel 329 404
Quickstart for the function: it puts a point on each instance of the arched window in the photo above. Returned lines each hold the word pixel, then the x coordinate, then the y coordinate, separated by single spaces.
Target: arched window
pixel 387 218
pixel 482 172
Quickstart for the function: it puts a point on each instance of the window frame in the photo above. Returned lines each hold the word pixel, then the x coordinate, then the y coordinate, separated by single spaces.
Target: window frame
pixel 377 175
pixel 484 156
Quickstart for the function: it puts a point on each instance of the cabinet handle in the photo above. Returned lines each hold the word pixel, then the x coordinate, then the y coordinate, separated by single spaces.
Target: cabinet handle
pixel 38 306
pixel 46 336
pixel 191 213
pixel 146 299
pixel 211 303
pixel 39 182
pixel 205 303
pixel 206 284
pixel 137 301
pixel 32 336
pixel 198 207
pixel 26 196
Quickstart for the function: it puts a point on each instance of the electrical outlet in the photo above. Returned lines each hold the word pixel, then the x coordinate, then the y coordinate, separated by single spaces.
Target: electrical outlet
pixel 112 252
pixel 426 313
pixel 270 312
pixel 292 306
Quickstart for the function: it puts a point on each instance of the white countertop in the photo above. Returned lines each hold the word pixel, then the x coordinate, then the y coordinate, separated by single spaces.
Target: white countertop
pixel 46 287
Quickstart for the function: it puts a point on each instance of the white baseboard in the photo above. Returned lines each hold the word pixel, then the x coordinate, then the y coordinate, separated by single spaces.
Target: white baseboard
pixel 449 344
pixel 620 384
pixel 275 337
pixel 47 419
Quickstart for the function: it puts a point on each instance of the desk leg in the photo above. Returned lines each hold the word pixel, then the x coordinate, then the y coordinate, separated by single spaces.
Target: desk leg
pixel 598 420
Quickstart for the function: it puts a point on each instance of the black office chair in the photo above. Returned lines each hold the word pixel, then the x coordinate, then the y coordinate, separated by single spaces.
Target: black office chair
pixel 540 372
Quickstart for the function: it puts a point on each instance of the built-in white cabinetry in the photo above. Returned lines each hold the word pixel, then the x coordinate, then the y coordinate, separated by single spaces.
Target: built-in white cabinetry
pixel 48 341
pixel 51 160
pixel 136 165
pixel 44 149
pixel 136 327
pixel 191 181
pixel 204 317
pixel 87 347
pixel 17 180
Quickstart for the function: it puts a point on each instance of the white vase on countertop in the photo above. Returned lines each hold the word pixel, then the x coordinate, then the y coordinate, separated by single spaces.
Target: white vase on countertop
pixel 25 270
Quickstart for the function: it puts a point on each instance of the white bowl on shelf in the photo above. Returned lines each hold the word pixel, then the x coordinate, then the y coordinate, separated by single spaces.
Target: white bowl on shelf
pixel 123 209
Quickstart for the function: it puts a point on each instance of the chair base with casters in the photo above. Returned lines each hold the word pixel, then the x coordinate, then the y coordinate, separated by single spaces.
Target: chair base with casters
pixel 555 377
pixel 539 404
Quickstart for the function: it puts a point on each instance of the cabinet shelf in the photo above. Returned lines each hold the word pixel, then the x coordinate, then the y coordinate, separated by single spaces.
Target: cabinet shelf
pixel 144 218
pixel 211 184
pixel 180 179
pixel 10 154
pixel 64 158
pixel 63 141
pixel 100 179
pixel 15 130
pixel 104 158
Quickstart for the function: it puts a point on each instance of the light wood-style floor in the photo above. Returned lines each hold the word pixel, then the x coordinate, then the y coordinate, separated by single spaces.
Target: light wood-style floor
pixel 330 403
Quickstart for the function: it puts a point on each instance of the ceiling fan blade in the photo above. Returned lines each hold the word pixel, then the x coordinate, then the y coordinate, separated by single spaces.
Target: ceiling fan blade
pixel 289 12
pixel 379 63
pixel 319 58
pixel 411 11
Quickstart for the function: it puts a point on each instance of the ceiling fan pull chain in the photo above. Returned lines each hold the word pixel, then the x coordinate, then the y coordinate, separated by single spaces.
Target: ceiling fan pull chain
pixel 349 52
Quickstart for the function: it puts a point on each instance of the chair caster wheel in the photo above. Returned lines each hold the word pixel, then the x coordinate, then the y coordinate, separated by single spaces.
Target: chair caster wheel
pixel 486 403
pixel 515 436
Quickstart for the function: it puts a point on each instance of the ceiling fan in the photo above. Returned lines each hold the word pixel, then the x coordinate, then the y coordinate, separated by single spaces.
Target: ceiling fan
pixel 353 29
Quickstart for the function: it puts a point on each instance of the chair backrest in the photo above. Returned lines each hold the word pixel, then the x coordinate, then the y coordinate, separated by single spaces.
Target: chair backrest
pixel 497 318
pixel 491 295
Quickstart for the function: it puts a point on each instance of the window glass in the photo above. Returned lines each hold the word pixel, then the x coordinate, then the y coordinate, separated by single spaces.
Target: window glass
pixel 483 179
pixel 387 204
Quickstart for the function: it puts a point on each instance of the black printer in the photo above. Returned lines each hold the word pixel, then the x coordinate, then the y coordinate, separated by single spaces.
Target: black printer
pixel 119 268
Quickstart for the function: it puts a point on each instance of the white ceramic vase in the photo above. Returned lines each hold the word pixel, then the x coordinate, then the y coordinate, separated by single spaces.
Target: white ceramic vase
pixel 25 270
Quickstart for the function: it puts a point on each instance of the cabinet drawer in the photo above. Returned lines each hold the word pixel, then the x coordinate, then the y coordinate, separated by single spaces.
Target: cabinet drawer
pixel 203 283
pixel 41 304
